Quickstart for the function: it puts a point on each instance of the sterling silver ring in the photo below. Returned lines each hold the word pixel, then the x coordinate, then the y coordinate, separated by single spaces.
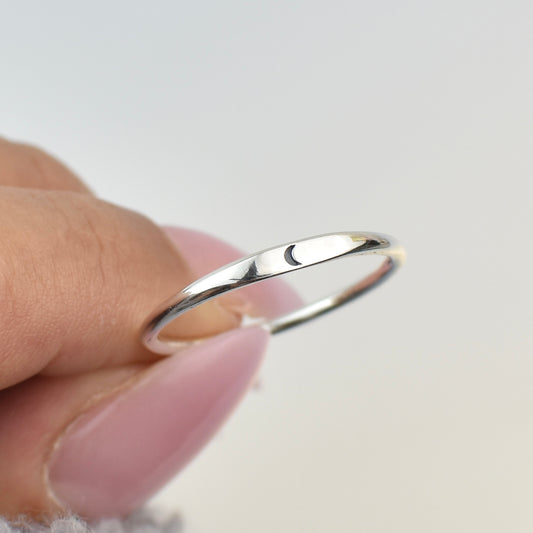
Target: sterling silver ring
pixel 275 262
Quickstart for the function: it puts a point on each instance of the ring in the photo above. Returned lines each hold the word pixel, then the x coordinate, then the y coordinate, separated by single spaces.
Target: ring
pixel 273 262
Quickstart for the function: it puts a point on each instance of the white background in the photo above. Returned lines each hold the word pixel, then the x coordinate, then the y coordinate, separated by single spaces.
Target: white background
pixel 266 121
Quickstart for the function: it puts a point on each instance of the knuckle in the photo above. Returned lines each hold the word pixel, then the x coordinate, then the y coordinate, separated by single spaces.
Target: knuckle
pixel 25 165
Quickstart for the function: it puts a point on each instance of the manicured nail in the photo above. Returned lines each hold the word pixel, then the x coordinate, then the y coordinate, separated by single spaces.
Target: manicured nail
pixel 116 455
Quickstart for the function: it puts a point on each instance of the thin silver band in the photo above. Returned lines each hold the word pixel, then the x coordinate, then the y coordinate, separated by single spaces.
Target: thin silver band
pixel 275 262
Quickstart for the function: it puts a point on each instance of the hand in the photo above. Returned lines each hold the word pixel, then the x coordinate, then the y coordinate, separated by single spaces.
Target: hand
pixel 90 421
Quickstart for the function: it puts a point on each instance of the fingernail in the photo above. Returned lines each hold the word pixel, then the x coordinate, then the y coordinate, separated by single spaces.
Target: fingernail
pixel 205 253
pixel 116 455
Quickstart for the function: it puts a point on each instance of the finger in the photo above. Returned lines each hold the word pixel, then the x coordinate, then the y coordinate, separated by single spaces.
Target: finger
pixel 100 444
pixel 22 165
pixel 78 278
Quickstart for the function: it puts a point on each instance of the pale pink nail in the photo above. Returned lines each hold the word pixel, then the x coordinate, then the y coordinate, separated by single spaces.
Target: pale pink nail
pixel 116 455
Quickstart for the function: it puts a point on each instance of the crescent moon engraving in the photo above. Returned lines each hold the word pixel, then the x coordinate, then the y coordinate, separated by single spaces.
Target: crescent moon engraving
pixel 289 257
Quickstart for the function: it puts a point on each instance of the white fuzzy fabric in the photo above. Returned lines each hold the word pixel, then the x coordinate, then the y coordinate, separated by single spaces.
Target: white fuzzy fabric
pixel 144 521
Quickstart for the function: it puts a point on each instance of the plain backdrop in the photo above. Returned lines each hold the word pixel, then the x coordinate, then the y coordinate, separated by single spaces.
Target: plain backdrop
pixel 267 121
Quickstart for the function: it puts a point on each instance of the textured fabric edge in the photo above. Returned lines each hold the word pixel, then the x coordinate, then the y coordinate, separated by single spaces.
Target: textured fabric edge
pixel 143 521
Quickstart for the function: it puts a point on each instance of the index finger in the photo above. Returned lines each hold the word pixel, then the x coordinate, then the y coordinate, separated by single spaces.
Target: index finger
pixel 26 166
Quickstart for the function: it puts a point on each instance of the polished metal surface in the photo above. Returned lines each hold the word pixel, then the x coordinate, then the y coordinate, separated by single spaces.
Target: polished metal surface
pixel 273 262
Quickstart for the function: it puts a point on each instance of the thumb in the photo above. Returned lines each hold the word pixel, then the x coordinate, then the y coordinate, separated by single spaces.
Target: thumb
pixel 100 444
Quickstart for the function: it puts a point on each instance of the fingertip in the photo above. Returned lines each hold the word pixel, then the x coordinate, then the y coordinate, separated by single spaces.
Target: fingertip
pixel 115 456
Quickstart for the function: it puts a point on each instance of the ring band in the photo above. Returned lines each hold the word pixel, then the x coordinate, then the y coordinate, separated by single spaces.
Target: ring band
pixel 275 262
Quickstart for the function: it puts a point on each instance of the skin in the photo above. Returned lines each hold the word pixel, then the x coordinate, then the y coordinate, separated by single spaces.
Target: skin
pixel 74 297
